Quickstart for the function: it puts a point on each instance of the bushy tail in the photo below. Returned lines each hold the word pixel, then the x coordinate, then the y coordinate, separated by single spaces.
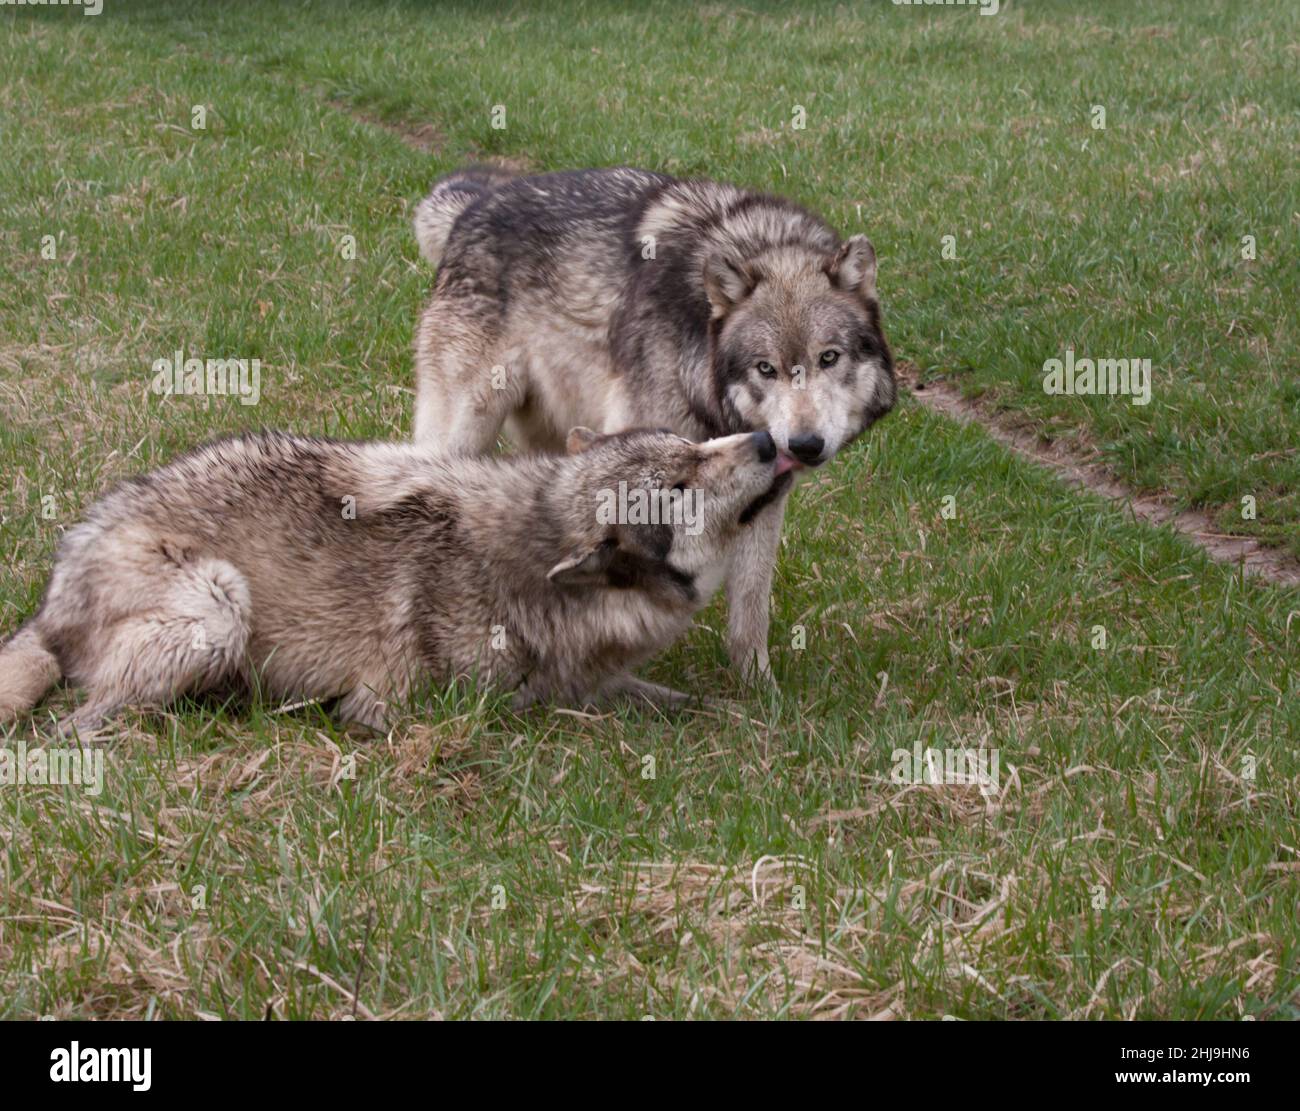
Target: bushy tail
pixel 27 670
pixel 450 197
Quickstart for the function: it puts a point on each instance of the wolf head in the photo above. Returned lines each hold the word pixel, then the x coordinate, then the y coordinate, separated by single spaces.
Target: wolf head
pixel 797 345
pixel 652 511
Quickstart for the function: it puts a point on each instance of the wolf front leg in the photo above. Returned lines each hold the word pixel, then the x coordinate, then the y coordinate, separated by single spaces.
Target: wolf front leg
pixel 640 690
pixel 749 592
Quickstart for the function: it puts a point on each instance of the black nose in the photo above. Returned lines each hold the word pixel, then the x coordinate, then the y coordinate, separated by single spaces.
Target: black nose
pixel 766 446
pixel 807 449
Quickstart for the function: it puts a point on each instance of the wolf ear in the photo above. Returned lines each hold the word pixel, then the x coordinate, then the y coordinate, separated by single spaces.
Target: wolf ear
pixel 854 268
pixel 587 568
pixel 580 439
pixel 727 282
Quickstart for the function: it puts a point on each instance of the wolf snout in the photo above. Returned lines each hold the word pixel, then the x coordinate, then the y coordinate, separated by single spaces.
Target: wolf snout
pixel 769 452
pixel 807 449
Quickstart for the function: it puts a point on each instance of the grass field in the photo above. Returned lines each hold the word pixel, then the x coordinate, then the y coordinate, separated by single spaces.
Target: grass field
pixel 1142 857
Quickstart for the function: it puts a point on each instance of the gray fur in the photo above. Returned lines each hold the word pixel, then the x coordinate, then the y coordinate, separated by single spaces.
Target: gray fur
pixel 547 313
pixel 324 569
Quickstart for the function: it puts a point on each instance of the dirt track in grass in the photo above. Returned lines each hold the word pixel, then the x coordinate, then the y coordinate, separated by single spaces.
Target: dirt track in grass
pixel 1076 470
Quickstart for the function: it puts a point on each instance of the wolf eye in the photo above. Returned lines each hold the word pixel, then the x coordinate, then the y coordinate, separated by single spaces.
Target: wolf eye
pixel 828 358
pixel 767 370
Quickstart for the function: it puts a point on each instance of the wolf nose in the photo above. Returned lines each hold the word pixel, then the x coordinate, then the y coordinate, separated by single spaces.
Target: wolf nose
pixel 807 449
pixel 766 446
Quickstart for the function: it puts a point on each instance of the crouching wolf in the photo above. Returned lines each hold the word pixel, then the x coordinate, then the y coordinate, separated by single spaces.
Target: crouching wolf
pixel 617 298
pixel 313 568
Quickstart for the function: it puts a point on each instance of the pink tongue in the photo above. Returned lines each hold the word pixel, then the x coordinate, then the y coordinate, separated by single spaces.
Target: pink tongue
pixel 784 463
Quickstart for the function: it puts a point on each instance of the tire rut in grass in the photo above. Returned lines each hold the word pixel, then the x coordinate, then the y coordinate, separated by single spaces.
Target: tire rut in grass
pixel 1072 468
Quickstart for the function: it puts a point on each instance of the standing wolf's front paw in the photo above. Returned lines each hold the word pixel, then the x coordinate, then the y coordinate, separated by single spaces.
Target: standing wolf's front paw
pixel 753 664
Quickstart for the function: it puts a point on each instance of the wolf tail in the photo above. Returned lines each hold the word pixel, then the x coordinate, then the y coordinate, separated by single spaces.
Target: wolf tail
pixel 27 670
pixel 450 196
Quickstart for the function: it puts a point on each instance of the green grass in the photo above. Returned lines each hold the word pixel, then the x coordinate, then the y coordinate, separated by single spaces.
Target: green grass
pixel 1130 867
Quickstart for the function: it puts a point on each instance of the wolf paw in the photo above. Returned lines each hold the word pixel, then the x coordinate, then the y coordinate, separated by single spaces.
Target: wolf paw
pixel 754 666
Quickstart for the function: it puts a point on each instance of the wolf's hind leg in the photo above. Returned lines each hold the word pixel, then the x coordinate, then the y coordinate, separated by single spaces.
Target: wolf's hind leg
pixel 27 670
pixel 194 636
pixel 465 387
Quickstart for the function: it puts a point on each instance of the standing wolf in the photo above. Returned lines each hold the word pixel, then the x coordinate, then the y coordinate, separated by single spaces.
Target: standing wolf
pixel 617 298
